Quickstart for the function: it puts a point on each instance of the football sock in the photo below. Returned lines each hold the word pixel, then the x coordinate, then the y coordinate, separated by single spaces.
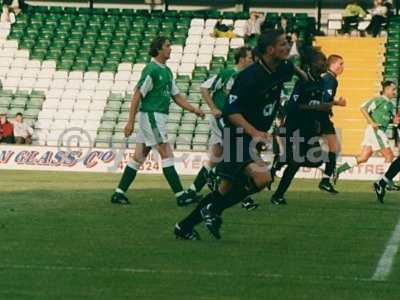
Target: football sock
pixel 393 170
pixel 194 217
pixel 331 164
pixel 128 176
pixel 201 179
pixel 286 180
pixel 171 176
pixel 346 166
pixel 235 195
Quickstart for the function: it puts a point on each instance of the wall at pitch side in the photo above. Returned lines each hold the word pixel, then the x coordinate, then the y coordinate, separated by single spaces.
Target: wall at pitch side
pixel 114 160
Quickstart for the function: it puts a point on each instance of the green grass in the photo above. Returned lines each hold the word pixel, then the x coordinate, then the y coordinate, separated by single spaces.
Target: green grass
pixel 60 238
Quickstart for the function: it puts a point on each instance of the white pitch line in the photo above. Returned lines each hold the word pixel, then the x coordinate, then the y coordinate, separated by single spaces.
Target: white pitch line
pixel 385 263
pixel 176 272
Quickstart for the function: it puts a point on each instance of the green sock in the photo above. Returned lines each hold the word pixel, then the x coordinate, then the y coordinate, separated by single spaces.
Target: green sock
pixel 201 179
pixel 346 166
pixel 128 176
pixel 171 176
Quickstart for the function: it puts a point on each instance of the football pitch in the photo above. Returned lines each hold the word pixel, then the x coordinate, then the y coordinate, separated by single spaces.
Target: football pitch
pixel 60 237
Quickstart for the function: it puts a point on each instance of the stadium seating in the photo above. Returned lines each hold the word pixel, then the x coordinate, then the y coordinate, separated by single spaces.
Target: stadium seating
pixel 85 64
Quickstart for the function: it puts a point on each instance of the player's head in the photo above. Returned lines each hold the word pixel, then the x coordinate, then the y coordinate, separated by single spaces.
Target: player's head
pixel 3 118
pixel 314 59
pixel 389 89
pixel 243 57
pixel 336 64
pixel 160 47
pixel 273 44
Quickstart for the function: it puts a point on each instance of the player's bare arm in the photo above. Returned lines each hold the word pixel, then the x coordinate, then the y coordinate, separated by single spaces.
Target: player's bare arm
pixel 182 102
pixel 136 98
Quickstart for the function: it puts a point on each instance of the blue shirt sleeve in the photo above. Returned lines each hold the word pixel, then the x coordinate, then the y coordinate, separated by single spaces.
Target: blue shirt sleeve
pixel 330 87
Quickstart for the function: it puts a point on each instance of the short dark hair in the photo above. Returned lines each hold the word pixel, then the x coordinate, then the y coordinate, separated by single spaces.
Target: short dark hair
pixel 333 58
pixel 267 39
pixel 387 83
pixel 156 45
pixel 19 114
pixel 241 53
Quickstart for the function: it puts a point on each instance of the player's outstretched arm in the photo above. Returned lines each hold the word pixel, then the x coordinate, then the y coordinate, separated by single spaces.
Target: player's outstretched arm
pixel 207 96
pixel 182 102
pixel 136 98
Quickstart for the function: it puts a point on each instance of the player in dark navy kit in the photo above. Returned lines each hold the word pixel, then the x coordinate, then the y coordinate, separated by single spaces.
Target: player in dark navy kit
pixel 328 132
pixel 248 114
pixel 303 124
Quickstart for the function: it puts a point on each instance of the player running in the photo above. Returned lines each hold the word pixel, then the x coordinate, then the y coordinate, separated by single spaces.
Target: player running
pixel 248 114
pixel 150 104
pixel 215 91
pixel 379 113
pixel 335 68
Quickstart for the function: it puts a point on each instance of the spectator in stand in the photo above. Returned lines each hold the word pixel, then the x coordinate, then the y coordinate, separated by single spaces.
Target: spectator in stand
pixel 6 130
pixel 253 25
pixel 353 13
pixel 222 30
pixel 379 17
pixel 11 8
pixel 284 27
pixel 22 131
pixel 295 45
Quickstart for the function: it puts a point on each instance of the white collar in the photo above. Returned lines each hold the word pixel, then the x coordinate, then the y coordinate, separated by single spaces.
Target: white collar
pixel 158 63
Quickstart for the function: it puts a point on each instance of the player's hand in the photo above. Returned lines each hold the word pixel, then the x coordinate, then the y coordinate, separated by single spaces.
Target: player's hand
pixel 342 102
pixel 128 130
pixel 375 125
pixel 216 113
pixel 261 136
pixel 198 112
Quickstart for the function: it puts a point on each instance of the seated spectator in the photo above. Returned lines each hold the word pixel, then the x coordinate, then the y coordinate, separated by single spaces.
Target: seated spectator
pixel 283 26
pixel 253 25
pixel 11 8
pixel 353 13
pixel 295 45
pixel 6 130
pixel 223 30
pixel 379 17
pixel 22 131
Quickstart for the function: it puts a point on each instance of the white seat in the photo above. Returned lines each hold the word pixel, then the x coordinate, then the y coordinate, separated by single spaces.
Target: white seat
pixel 91 76
pixel 55 94
pixel 189 58
pixel 173 66
pixel 58 84
pixel 22 54
pixel 228 22
pixel 43 124
pixel 107 76
pixel 176 49
pixel 89 85
pixel 50 105
pixel 76 124
pixel 61 75
pixel 204 59
pixel 125 67
pixel 239 31
pixel 73 85
pixel 11 44
pixel 85 95
pixel 15 73
pixel 20 63
pixel 334 24
pixel 76 75
pixel 6 61
pixel 197 22
pixel 92 125
pixel 42 84
pixel 104 85
pixel 101 95
pixel 33 64
pixel 94 115
pixel 186 69
pixel 79 115
pixel 206 49
pixel 136 76
pixel 123 76
pixel 191 49
pixel 211 22
pixel 175 57
pixel 27 83
pixel 120 86
pixel 193 40
pixel 82 105
pixel 62 116
pixel 11 83
pixel 49 65
pixel 240 23
pixel 208 40
pixel 45 74
pixel 195 31
pixel 208 31
pixel 222 41
pixel 46 114
pixel 30 73
pixel 221 51
pixel 66 105
pixel 138 67
pixel 237 43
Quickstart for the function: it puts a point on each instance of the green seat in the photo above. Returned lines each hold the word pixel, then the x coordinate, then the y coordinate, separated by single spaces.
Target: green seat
pixel 107 126
pixel 110 116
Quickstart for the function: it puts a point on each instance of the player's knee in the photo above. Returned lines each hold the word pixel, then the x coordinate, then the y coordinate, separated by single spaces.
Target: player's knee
pixel 134 164
pixel 259 181
pixel 389 157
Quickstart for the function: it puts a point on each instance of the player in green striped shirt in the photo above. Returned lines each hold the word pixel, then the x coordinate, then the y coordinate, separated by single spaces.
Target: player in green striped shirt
pixel 150 104
pixel 379 113
pixel 214 91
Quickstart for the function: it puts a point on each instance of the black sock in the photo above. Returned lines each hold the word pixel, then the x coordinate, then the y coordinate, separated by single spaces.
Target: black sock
pixel 235 195
pixel 201 179
pixel 393 169
pixel 331 164
pixel 194 217
pixel 286 180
